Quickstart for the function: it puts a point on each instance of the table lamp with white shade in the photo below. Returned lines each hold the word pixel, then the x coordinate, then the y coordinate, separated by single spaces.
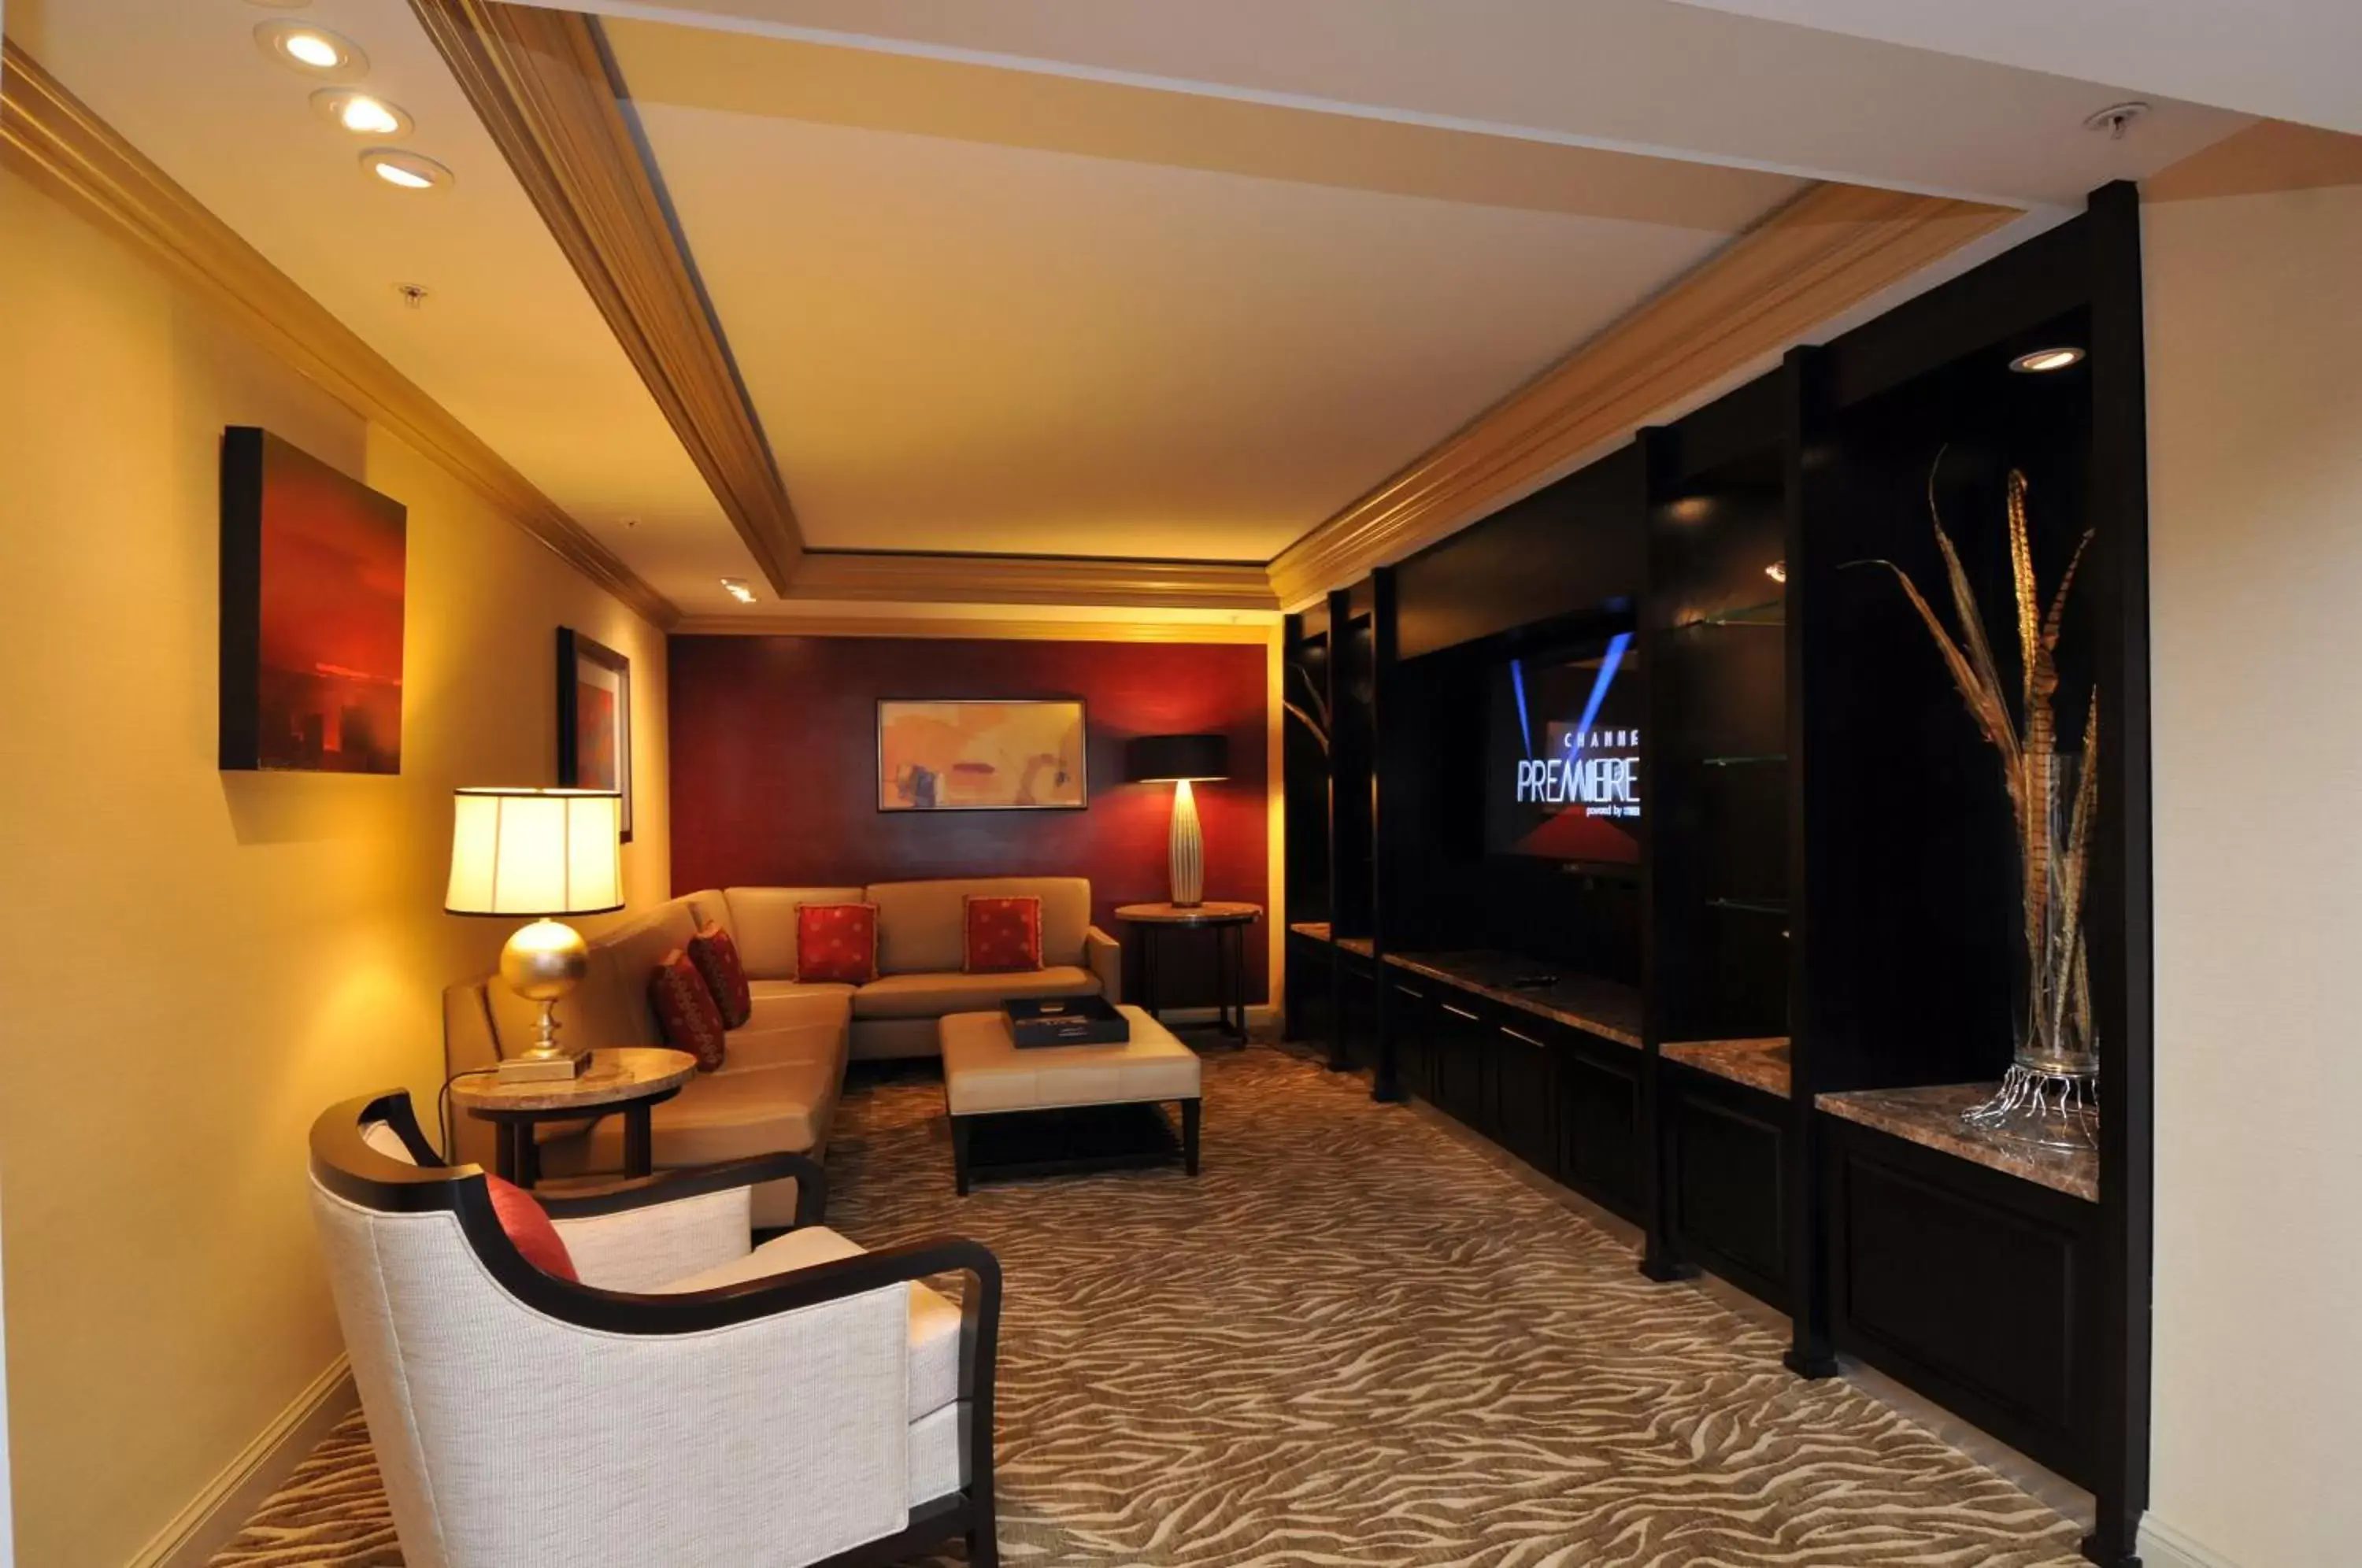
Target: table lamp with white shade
pixel 1181 761
pixel 541 853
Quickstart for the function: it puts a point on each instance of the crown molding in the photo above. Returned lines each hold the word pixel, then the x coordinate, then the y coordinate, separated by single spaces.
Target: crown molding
pixel 1828 249
pixel 58 142
pixel 541 83
pixel 1033 579
pixel 997 628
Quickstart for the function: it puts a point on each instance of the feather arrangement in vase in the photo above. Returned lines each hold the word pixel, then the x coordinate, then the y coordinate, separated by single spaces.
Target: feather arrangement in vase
pixel 2049 1095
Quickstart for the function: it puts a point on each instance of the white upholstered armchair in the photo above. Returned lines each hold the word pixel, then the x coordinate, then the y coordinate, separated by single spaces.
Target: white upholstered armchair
pixel 695 1401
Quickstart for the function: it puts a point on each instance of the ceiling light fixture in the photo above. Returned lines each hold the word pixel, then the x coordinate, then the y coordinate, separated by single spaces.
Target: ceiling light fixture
pixel 360 114
pixel 2115 118
pixel 2040 360
pixel 736 588
pixel 314 51
pixel 1777 571
pixel 405 170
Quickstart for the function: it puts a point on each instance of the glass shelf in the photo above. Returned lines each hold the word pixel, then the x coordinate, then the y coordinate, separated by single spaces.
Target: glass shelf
pixel 1743 761
pixel 1771 613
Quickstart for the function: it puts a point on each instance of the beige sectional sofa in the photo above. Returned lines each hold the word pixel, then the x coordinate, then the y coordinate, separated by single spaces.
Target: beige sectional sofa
pixel 778 1088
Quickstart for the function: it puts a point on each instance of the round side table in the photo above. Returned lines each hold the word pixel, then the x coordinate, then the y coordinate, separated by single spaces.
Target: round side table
pixel 633 1079
pixel 1229 924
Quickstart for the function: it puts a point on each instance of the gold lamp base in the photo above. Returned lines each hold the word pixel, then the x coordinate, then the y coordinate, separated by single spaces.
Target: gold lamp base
pixel 542 962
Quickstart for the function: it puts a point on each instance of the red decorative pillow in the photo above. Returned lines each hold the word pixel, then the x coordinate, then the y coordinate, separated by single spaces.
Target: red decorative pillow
pixel 1004 935
pixel 716 957
pixel 837 944
pixel 685 1010
pixel 529 1230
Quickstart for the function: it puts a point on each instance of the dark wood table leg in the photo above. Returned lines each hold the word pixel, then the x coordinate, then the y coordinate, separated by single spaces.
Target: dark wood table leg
pixel 1148 976
pixel 1189 1135
pixel 959 1154
pixel 1234 996
pixel 529 1153
pixel 504 1159
pixel 639 1139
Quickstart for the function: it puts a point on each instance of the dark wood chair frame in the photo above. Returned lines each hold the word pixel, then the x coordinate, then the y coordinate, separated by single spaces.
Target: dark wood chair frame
pixel 344 1163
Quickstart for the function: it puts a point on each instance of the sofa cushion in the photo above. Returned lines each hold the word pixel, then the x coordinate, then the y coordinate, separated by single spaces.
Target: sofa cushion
pixel 716 957
pixel 931 995
pixel 529 1231
pixel 799 1005
pixel 763 923
pixel 685 1010
pixel 922 930
pixel 727 1116
pixel 836 943
pixel 752 1049
pixel 934 1318
pixel 1003 934
pixel 759 990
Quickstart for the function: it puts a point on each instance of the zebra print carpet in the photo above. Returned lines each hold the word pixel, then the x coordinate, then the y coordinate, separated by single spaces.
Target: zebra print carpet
pixel 1352 1339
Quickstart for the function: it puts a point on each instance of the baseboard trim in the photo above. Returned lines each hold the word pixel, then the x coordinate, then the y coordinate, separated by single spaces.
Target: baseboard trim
pixel 221 1510
pixel 2163 1546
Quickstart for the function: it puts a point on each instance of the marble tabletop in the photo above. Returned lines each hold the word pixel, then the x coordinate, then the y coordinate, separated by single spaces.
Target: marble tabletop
pixel 614 1077
pixel 1930 1118
pixel 1210 912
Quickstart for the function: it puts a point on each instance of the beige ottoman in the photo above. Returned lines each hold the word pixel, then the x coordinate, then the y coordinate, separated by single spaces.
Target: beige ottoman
pixel 985 1075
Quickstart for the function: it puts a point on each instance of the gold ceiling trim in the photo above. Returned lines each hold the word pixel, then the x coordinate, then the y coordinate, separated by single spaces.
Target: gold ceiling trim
pixel 1827 250
pixel 996 628
pixel 540 82
pixel 1033 579
pixel 57 140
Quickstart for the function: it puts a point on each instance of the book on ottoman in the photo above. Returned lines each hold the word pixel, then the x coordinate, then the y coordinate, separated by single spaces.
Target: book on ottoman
pixel 1066 1021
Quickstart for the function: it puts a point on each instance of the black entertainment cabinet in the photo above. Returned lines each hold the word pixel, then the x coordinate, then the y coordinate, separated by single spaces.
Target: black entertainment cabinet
pixel 1757 1047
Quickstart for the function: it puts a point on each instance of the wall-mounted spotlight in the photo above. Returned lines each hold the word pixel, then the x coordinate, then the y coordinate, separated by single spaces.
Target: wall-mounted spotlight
pixel 314 51
pixel 405 170
pixel 2040 360
pixel 360 113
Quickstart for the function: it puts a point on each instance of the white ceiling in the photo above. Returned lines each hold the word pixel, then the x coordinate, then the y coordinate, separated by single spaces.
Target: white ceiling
pixel 509 341
pixel 1638 75
pixel 993 313
pixel 1102 277
pixel 2292 60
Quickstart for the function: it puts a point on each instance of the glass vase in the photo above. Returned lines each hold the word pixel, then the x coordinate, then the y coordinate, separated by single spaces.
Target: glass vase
pixel 2050 1096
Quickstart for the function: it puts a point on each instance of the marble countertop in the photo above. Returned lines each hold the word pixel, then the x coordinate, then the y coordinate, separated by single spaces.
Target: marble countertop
pixel 1931 1118
pixel 1321 931
pixel 1606 1008
pixel 1758 1063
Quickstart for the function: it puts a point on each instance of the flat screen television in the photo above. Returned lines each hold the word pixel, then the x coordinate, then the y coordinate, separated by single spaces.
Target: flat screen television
pixel 1562 757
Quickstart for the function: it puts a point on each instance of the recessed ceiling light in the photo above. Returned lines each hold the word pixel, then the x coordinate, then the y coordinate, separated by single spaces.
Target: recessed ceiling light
pixel 360 114
pixel 2041 359
pixel 315 51
pixel 736 588
pixel 405 170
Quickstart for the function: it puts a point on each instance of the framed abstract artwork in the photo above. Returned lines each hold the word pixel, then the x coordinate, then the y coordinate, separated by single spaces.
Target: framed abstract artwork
pixel 982 755
pixel 594 718
pixel 311 566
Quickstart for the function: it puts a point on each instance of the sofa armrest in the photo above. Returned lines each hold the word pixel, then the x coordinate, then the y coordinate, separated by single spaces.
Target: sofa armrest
pixel 1104 953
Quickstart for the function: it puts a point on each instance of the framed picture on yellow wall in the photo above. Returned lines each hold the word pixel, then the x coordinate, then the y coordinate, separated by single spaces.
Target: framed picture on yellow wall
pixel 989 755
pixel 594 718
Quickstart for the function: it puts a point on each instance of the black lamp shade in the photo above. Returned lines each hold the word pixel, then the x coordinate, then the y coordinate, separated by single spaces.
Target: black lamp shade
pixel 1158 759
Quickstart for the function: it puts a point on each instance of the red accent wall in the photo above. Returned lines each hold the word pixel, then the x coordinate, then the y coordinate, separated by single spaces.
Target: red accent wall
pixel 774 748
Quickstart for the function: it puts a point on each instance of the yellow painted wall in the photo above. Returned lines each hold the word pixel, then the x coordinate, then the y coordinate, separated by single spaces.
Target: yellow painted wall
pixel 194 963
pixel 2255 368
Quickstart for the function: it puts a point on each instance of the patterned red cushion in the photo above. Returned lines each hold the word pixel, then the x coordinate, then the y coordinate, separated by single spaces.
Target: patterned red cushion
pixel 837 944
pixel 685 1010
pixel 529 1230
pixel 716 957
pixel 1003 935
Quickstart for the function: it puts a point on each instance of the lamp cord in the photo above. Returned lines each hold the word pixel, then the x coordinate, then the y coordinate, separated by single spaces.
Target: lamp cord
pixel 442 1122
